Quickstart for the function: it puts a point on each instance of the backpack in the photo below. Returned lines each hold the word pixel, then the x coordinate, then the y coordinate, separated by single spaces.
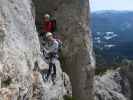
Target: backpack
pixel 54 26
pixel 60 44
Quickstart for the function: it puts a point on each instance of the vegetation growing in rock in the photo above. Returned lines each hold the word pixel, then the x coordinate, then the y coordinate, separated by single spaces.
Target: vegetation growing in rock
pixel 6 82
pixel 125 63
pixel 69 98
pixel 100 71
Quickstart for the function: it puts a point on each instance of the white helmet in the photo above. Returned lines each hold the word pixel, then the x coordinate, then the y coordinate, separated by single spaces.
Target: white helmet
pixel 48 34
pixel 47 15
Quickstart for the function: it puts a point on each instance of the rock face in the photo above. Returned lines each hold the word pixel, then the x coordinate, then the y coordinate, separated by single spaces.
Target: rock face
pixel 19 53
pixel 48 91
pixel 72 20
pixel 127 71
pixel 113 86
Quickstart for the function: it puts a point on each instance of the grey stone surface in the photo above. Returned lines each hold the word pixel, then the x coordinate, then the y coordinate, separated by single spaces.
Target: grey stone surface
pixel 112 86
pixel 19 50
pixel 127 71
pixel 48 91
pixel 73 26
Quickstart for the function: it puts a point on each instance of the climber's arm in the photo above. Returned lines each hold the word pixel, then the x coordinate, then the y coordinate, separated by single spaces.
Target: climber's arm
pixel 45 50
pixel 54 47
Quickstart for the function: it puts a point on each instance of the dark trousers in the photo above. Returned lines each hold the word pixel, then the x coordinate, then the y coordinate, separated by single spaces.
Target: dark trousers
pixel 51 66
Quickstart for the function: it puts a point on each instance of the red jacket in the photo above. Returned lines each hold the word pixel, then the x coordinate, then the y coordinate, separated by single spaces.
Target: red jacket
pixel 47 26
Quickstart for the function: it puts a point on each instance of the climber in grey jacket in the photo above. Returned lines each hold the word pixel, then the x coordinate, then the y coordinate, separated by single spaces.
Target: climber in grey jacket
pixel 51 49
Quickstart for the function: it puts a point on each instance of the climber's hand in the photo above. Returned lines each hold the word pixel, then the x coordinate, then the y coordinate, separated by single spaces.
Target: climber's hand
pixel 46 51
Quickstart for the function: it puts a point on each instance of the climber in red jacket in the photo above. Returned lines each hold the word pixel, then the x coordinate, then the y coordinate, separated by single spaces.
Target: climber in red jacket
pixel 47 24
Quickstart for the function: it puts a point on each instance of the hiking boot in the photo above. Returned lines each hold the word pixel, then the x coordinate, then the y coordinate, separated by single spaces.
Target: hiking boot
pixel 53 78
pixel 45 78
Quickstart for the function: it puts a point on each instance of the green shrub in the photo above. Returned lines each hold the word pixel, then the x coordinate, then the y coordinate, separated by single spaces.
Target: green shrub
pixel 100 71
pixel 69 98
pixel 6 82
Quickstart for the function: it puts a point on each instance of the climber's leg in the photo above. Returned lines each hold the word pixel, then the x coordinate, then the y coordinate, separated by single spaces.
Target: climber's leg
pixel 54 70
pixel 49 71
pixel 53 60
pixel 54 73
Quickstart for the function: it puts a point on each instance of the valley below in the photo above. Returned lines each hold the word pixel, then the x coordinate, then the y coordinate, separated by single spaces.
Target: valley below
pixel 112 36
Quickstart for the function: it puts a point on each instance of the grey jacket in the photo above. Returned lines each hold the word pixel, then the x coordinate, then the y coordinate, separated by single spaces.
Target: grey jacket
pixel 52 47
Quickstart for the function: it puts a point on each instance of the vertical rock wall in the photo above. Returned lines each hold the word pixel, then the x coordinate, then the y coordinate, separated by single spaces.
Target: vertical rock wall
pixel 20 53
pixel 73 25
pixel 19 49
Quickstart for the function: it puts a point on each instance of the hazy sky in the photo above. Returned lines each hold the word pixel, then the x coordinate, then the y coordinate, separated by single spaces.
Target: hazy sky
pixel 111 5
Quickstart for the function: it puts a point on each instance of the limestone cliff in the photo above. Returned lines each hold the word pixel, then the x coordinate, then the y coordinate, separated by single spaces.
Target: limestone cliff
pixel 73 26
pixel 113 85
pixel 20 53
pixel 20 50
pixel 127 71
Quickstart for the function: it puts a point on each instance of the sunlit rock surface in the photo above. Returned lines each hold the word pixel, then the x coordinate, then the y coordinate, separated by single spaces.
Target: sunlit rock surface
pixel 112 86
pixel 19 51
